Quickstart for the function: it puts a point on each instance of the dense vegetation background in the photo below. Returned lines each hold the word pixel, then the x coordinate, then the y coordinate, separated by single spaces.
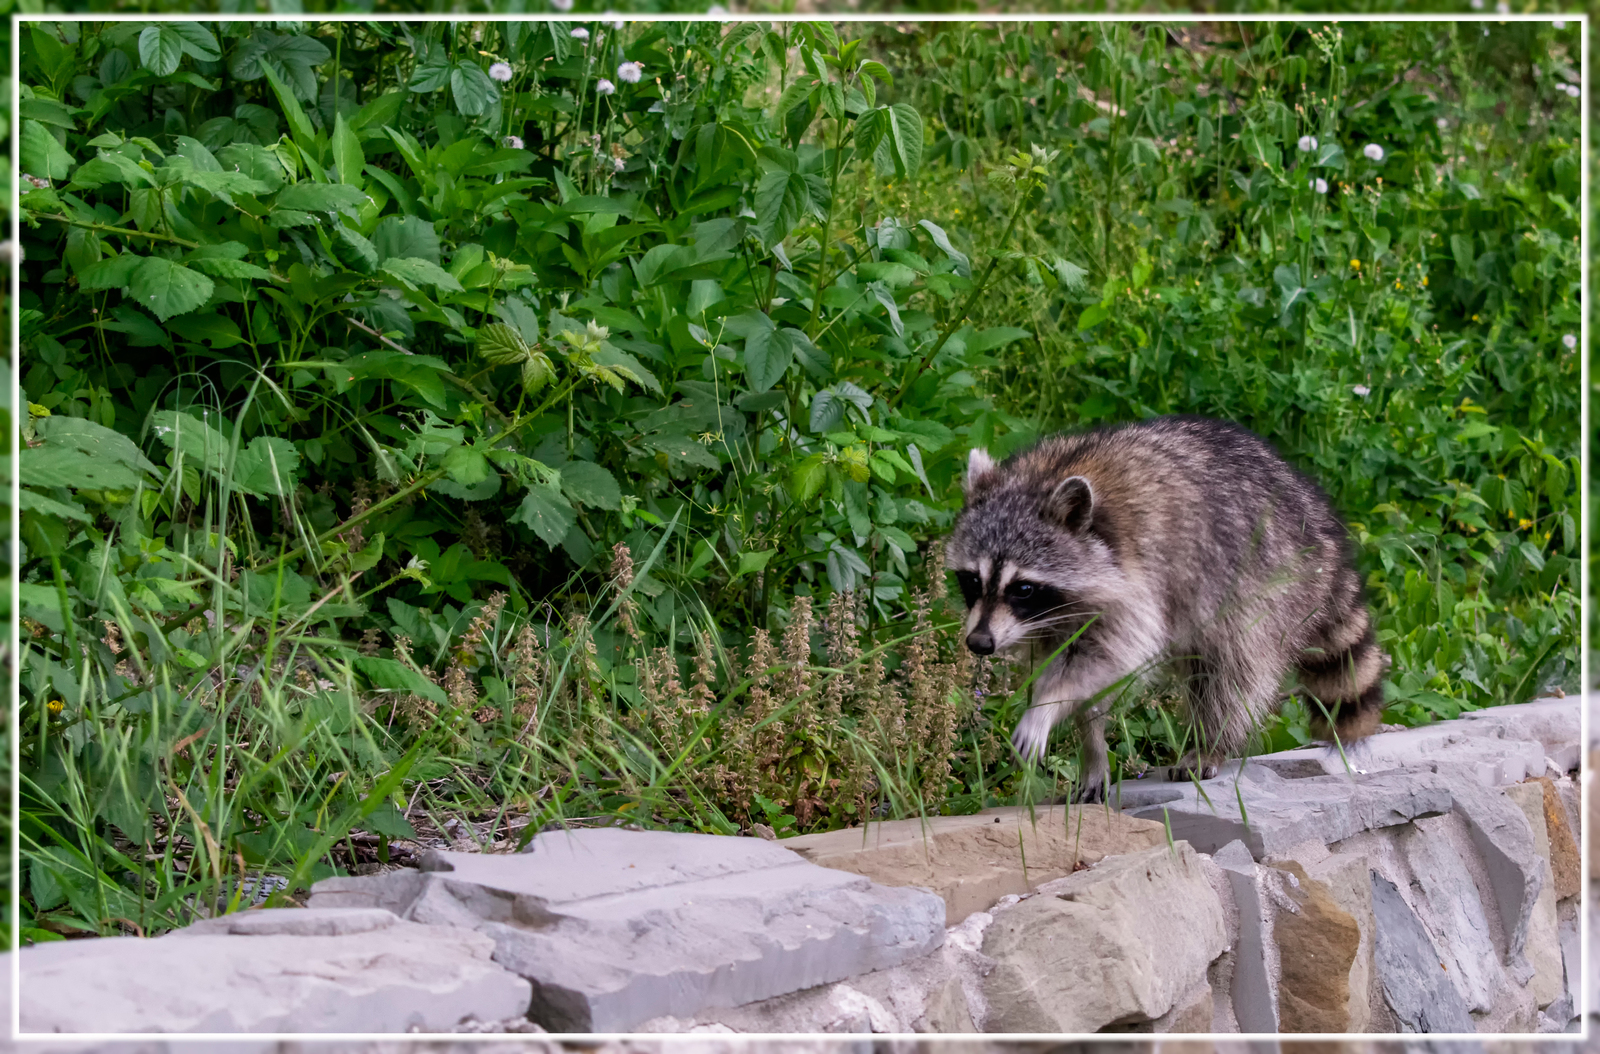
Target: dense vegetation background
pixel 440 431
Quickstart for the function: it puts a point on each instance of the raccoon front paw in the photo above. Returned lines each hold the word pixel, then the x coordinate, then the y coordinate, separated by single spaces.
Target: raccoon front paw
pixel 1033 733
pixel 1091 788
pixel 1190 767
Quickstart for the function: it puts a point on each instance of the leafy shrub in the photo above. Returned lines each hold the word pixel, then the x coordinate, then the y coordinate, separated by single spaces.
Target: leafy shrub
pixel 441 430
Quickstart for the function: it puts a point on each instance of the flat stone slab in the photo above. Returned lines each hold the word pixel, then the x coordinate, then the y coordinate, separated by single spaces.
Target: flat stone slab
pixel 615 927
pixel 1272 814
pixel 287 970
pixel 973 861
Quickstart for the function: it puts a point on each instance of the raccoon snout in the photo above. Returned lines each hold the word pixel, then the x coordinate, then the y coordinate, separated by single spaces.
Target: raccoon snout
pixel 981 641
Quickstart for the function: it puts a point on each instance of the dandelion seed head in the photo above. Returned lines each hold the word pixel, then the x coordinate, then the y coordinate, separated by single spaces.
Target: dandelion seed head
pixel 500 71
pixel 630 72
pixel 1373 151
pixel 604 87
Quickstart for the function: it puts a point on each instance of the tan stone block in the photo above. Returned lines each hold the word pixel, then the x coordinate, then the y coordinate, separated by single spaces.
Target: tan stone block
pixel 1564 866
pixel 1317 946
pixel 973 861
pixel 1543 947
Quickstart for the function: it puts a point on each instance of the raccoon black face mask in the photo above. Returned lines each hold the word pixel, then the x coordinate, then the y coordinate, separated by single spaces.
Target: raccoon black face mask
pixel 1177 539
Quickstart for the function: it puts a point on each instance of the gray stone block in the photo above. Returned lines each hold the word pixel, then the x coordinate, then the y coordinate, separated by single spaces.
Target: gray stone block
pixel 1414 977
pixel 329 972
pixel 1271 814
pixel 1450 909
pixel 614 928
pixel 1255 996
pixel 1504 839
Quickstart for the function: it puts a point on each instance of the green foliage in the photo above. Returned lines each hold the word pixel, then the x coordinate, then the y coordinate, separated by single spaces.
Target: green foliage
pixel 434 419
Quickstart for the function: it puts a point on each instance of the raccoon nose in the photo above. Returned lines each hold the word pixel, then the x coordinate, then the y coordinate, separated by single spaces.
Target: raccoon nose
pixel 981 641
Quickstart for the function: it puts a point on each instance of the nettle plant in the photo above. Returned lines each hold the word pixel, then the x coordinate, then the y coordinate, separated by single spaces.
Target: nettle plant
pixel 333 330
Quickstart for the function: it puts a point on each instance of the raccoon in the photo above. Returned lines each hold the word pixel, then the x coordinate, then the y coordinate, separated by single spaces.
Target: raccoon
pixel 1178 539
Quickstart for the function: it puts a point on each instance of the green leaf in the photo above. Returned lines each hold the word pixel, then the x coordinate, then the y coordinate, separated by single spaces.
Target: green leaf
pixel 197 40
pixel 621 362
pixel 166 289
pixel 114 272
pixel 1092 316
pixel 782 198
pixel 473 91
pixel 942 240
pixel 412 272
pixel 379 112
pixel 767 357
pixel 354 250
pixel 398 677
pixel 904 135
pixel 547 512
pixel 42 156
pixel 347 157
pixel 287 59
pixel 305 136
pixel 807 478
pixel 222 268
pixel 63 466
pixel 406 236
pixel 467 465
pixel 160 49
pixel 750 563
pixel 589 484
pixel 500 345
pixel 267 466
pixel 319 197
pixel 219 331
pixel 995 337
pixel 388 821
pixel 191 437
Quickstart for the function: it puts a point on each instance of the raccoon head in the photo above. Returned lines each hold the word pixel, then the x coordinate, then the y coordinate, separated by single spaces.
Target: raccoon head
pixel 1029 561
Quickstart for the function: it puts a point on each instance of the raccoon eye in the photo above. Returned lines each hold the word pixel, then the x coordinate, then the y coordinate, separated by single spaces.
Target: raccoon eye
pixel 1021 590
pixel 971 586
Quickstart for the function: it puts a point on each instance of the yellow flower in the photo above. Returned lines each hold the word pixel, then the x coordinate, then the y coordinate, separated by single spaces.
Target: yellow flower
pixel 1356 264
pixel 55 706
pixel 1424 279
pixel 1397 284
pixel 1474 318
pixel 1524 523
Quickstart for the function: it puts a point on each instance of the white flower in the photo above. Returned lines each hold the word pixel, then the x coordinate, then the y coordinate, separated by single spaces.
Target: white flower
pixel 716 10
pixel 1503 8
pixel 630 72
pixel 1572 90
pixel 513 141
pixel 1373 151
pixel 617 164
pixel 616 23
pixel 1307 143
pixel 1559 23
pixel 580 34
pixel 1570 341
pixel 1477 5
pixel 500 71
pixel 604 87
pixel 1442 123
pixel 1361 391
pixel 561 5
pixel 1318 185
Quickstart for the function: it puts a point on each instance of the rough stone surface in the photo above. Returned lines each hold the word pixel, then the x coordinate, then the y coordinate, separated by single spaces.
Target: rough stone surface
pixel 1283 813
pixel 1119 943
pixel 1414 976
pixel 616 927
pixel 1317 942
pixel 1555 723
pixel 1504 839
pixel 1447 903
pixel 1253 987
pixel 1544 940
pixel 271 971
pixel 1345 878
pixel 1565 872
pixel 973 861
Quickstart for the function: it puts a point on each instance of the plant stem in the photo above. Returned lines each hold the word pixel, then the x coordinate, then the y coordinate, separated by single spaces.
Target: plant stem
pixel 126 232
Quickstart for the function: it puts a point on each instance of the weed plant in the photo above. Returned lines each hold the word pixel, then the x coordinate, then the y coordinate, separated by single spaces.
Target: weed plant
pixel 439 431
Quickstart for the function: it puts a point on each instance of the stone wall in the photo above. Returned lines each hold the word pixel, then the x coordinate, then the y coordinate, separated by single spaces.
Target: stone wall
pixel 1422 881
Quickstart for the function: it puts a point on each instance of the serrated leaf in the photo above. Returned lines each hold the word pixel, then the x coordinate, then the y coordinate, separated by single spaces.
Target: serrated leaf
pixel 267 466
pixel 995 337
pixel 111 273
pixel 166 289
pixel 589 484
pixel 767 357
pixel 319 197
pixel 398 677
pixel 474 93
pixel 547 512
pixel 224 268
pixel 500 345
pixel 537 372
pixel 904 136
pixel 406 236
pixel 413 272
pixel 197 40
pixel 41 155
pixel 466 465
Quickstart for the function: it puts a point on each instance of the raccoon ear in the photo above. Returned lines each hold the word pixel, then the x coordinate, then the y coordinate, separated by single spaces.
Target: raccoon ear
pixel 979 465
pixel 1071 504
